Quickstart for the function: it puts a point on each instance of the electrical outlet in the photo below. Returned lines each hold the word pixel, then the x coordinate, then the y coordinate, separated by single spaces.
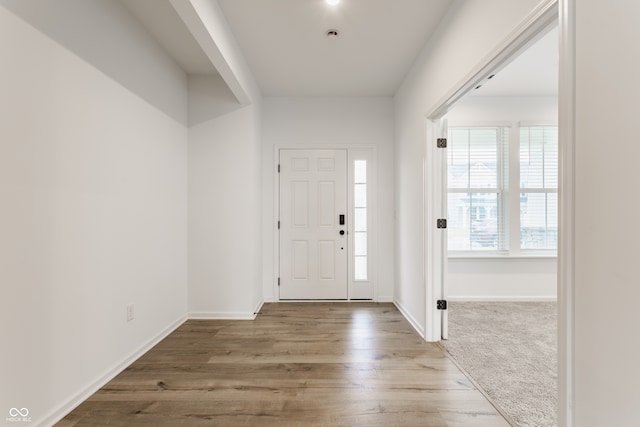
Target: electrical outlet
pixel 130 315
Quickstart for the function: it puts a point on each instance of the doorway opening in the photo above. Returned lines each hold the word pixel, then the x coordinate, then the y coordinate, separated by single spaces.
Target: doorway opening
pixel 496 183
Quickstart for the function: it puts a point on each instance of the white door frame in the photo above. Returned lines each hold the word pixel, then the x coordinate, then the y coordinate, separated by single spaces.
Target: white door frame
pixel 524 34
pixel 352 149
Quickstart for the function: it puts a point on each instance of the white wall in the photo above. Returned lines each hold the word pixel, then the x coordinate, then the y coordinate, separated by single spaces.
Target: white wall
pixel 502 278
pixel 607 348
pixel 504 109
pixel 496 279
pixel 470 30
pixel 329 122
pixel 92 207
pixel 225 204
pixel 89 32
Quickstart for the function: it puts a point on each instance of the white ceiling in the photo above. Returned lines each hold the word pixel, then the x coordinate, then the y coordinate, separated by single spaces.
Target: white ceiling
pixel 163 23
pixel 533 73
pixel 285 44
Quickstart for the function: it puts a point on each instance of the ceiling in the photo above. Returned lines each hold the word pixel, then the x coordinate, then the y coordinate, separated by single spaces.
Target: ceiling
pixel 286 47
pixel 285 44
pixel 533 73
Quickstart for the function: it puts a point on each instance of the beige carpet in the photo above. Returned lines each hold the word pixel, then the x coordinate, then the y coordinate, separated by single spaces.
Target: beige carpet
pixel 509 349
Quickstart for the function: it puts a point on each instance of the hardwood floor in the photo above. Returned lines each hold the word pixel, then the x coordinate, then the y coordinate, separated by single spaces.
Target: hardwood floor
pixel 297 364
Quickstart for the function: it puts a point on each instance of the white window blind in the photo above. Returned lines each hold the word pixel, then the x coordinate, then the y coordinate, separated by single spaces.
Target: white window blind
pixel 477 174
pixel 539 187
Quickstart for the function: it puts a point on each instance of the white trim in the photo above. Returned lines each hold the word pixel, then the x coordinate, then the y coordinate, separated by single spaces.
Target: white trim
pixel 567 213
pixel 412 321
pixel 64 409
pixel 270 299
pixel 332 301
pixel 221 315
pixel 384 299
pixel 464 256
pixel 503 299
pixel 432 252
pixel 257 308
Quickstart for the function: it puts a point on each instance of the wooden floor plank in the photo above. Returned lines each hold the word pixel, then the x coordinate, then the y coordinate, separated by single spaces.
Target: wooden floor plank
pixel 297 364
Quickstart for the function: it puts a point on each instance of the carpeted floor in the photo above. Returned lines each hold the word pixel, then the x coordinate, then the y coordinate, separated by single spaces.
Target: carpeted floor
pixel 509 349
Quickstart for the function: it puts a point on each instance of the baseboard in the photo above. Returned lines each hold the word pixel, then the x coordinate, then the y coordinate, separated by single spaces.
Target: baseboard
pixel 258 308
pixel 96 385
pixel 221 315
pixel 409 318
pixel 501 299
pixel 270 299
pixel 385 299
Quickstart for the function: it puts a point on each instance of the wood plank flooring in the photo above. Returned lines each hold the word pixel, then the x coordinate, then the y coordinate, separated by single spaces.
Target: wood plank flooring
pixel 297 364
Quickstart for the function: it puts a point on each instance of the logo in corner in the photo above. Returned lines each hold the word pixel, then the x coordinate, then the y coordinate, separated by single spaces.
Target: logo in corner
pixel 19 415
pixel 15 412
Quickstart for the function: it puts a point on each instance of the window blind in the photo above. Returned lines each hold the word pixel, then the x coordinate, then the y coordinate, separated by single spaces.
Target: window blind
pixel 477 159
pixel 539 187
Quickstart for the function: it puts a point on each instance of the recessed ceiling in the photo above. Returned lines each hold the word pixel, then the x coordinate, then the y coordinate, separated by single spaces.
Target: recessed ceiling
pixel 163 23
pixel 533 73
pixel 286 46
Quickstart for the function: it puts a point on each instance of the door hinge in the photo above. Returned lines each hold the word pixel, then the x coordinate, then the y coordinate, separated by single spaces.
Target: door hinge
pixel 278 167
pixel 278 281
pixel 441 304
pixel 442 142
pixel 442 223
pixel 278 225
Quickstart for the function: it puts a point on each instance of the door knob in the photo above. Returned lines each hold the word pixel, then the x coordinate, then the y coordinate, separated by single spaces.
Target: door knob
pixel 342 232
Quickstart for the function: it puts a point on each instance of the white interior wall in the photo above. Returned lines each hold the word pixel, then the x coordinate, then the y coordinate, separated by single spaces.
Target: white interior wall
pixel 93 203
pixel 469 31
pixel 503 278
pixel 607 287
pixel 225 211
pixel 330 122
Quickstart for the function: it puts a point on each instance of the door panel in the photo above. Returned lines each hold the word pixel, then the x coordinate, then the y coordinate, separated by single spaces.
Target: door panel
pixel 313 253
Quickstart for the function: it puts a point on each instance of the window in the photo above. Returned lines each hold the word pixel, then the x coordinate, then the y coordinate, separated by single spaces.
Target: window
pixel 538 187
pixel 360 219
pixel 477 169
pixel 480 208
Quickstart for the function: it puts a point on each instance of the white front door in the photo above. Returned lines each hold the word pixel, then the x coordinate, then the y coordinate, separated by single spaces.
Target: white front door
pixel 313 224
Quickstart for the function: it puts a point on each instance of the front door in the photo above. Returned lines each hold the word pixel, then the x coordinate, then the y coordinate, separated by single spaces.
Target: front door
pixel 313 224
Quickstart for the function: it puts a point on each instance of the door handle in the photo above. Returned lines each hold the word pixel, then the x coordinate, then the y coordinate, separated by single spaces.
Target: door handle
pixel 342 232
pixel 341 219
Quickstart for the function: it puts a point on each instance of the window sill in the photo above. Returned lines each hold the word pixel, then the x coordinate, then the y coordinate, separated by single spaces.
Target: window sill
pixel 533 255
